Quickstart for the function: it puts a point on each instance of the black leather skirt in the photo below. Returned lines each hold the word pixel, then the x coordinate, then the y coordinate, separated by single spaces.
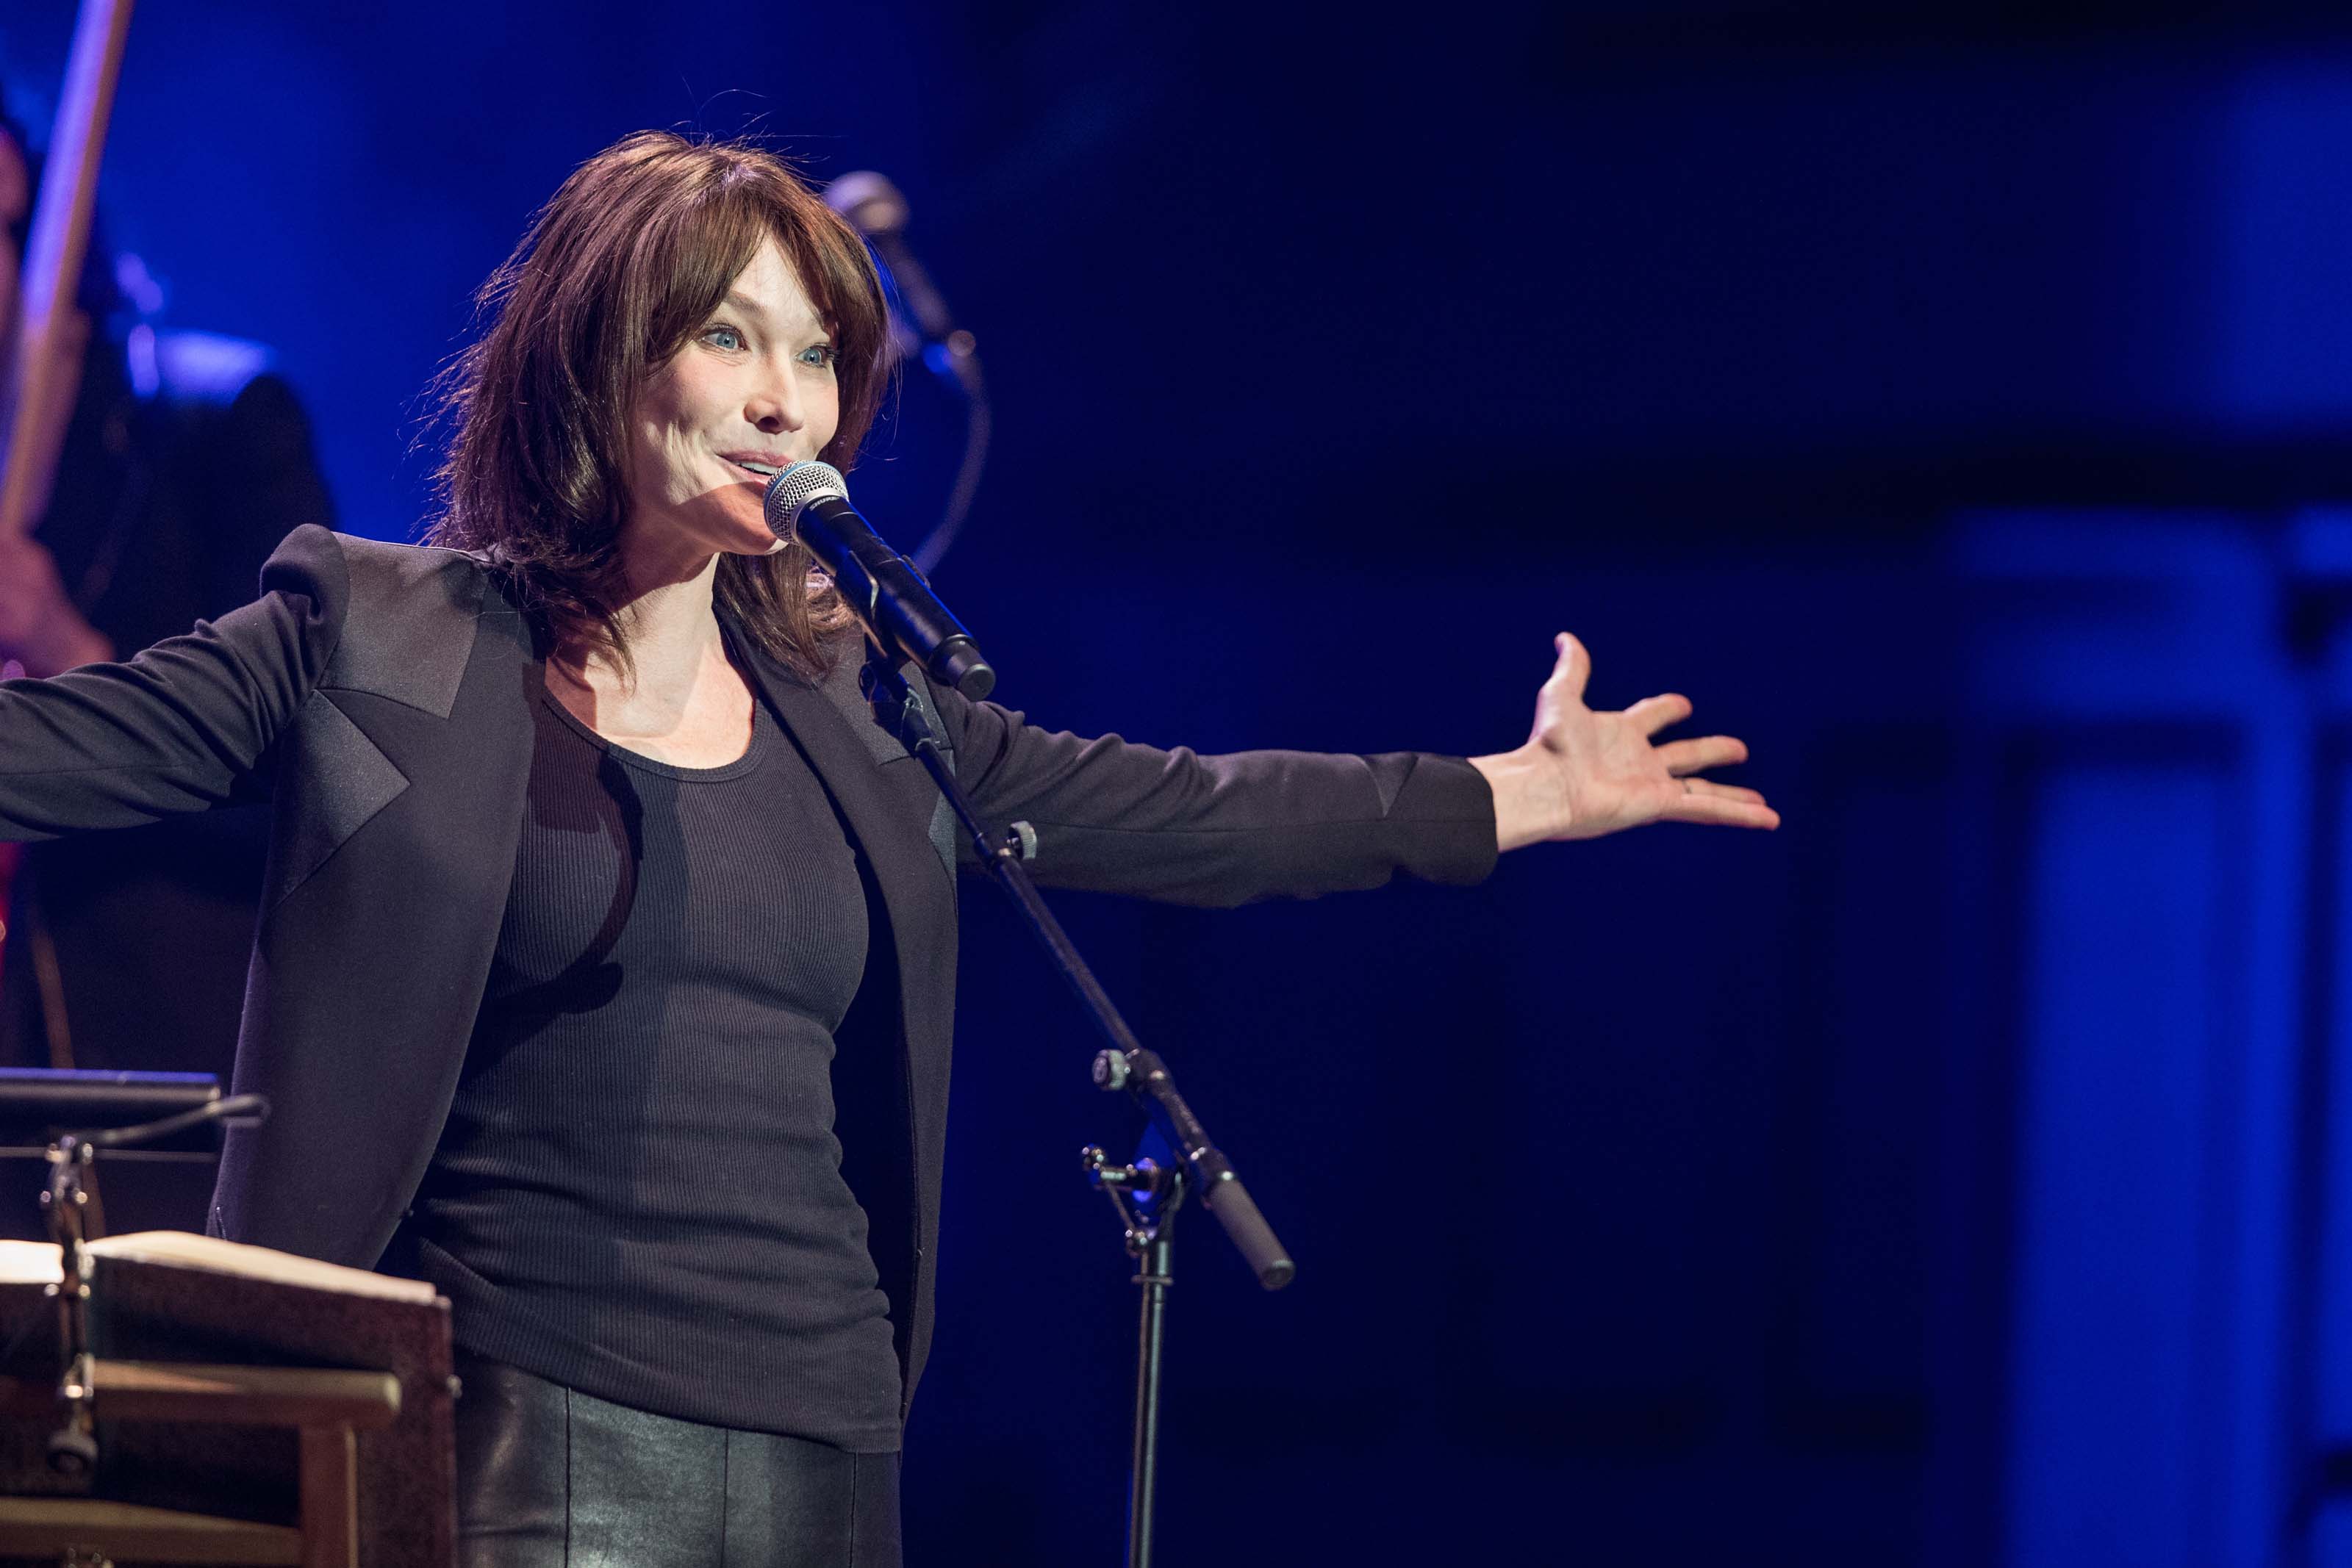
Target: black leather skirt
pixel 548 1477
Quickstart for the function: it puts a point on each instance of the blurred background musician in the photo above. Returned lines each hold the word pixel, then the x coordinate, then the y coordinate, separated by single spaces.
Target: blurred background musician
pixel 183 463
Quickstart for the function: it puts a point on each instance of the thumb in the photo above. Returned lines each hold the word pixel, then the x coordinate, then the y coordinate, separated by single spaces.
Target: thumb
pixel 1573 668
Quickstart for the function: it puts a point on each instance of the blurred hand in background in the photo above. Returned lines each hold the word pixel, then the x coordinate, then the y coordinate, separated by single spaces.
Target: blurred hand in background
pixel 40 627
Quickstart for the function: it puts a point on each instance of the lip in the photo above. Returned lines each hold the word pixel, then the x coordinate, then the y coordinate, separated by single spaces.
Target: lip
pixel 775 460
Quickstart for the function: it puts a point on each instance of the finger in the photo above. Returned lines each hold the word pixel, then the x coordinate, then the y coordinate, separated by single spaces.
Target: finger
pixel 1573 668
pixel 1707 807
pixel 1652 715
pixel 1682 756
pixel 1714 790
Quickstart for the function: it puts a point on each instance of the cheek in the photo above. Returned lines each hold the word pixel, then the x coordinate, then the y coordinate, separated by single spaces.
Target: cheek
pixel 651 416
pixel 658 420
pixel 649 459
pixel 828 415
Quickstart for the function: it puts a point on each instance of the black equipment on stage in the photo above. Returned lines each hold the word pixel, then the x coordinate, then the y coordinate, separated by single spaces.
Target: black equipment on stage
pixel 209 1402
pixel 1175 1155
pixel 877 209
pixel 73 1115
pixel 809 501
pixel 120 1112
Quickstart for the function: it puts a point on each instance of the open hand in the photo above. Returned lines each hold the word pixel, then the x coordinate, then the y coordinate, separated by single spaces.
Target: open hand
pixel 1582 773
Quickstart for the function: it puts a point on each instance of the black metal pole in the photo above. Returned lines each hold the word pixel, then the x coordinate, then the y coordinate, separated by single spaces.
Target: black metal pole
pixel 73 1446
pixel 1144 1195
pixel 1143 1475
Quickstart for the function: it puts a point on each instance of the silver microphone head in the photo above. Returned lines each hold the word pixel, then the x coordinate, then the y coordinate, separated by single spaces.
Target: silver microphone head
pixel 793 488
pixel 872 205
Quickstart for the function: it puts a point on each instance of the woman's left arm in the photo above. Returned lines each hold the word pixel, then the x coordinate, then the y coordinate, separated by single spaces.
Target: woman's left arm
pixel 1582 773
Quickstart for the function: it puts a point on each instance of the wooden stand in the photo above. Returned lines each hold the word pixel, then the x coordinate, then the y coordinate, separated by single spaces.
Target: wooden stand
pixel 327 1408
pixel 238 1457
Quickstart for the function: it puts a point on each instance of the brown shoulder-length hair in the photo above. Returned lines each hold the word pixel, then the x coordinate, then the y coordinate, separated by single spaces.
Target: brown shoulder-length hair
pixel 620 269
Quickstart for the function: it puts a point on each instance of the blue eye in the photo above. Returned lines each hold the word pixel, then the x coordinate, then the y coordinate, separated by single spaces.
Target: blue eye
pixel 722 337
pixel 819 355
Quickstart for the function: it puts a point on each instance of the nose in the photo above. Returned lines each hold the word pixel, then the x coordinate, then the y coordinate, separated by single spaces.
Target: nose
pixel 775 404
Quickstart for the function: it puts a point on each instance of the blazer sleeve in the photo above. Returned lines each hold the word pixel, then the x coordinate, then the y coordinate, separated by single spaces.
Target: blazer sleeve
pixel 1115 817
pixel 188 725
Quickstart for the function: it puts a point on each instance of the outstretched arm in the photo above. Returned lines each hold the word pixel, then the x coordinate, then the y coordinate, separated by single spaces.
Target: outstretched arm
pixel 1582 773
pixel 186 725
pixel 1114 815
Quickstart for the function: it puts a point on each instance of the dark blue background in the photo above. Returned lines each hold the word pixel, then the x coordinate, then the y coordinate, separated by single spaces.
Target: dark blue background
pixel 1953 399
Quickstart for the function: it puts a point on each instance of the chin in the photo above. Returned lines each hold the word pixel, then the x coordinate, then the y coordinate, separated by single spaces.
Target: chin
pixel 766 544
pixel 757 538
pixel 740 527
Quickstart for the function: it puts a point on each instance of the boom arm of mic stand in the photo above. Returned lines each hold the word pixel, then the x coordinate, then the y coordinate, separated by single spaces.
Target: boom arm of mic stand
pixel 1145 1076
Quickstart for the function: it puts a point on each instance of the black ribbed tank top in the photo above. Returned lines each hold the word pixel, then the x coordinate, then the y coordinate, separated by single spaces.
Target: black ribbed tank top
pixel 638 1193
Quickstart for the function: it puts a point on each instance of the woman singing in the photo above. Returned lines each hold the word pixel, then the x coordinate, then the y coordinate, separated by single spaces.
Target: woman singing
pixel 607 951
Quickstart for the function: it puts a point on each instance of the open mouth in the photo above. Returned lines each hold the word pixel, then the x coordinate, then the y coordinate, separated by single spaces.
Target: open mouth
pixel 749 466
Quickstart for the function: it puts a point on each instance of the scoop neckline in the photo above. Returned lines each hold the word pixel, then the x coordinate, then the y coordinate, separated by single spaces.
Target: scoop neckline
pixel 655 764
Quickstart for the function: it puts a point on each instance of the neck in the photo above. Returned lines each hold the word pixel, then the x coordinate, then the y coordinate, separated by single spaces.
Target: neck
pixel 666 617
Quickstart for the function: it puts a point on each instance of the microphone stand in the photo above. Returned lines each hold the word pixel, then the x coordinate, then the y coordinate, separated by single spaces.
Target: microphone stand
pixel 1145 1193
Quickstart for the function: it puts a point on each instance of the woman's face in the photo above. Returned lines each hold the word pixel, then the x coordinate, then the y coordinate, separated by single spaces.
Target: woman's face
pixel 752 390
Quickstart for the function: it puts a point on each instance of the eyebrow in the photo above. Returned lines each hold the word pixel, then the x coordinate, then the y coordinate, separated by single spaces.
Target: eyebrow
pixel 746 305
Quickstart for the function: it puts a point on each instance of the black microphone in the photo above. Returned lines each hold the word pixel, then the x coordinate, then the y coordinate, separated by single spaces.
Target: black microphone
pixel 808 501
pixel 877 210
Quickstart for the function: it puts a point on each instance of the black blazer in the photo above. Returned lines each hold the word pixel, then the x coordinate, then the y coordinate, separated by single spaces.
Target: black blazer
pixel 380 696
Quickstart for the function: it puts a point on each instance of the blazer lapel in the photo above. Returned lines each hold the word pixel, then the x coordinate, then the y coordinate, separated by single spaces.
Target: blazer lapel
pixel 368 967
pixel 904 865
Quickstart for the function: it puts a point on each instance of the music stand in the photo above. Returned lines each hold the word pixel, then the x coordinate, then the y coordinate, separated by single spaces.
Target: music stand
pixel 168 1422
